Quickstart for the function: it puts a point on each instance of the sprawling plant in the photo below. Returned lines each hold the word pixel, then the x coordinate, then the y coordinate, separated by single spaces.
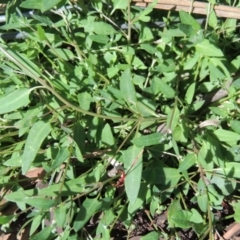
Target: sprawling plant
pixel 94 87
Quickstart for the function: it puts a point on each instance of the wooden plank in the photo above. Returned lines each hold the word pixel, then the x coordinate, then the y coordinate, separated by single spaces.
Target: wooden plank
pixel 192 7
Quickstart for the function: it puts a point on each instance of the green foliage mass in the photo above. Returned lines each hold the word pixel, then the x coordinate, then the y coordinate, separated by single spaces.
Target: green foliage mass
pixel 82 90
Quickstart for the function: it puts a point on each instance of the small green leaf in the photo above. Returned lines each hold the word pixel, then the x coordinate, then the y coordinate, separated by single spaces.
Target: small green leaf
pixel 107 136
pixel 47 5
pixel 226 136
pixel 231 169
pixel 100 28
pixel 164 88
pixel 181 218
pixel 186 18
pixel 87 210
pixel 127 87
pixel 132 158
pixel 17 99
pixel 190 93
pixel 148 140
pixel 6 219
pixel 213 20
pixel 119 4
pixel 235 125
pixel 63 155
pixel 44 234
pixel 208 49
pixel 84 100
pixel 32 4
pixel 62 53
pixel 37 134
pixel 188 161
pixel 196 216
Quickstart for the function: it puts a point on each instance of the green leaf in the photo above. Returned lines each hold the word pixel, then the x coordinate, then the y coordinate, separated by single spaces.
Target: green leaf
pixel 148 140
pixel 132 158
pixel 63 155
pixel 60 214
pixel 196 216
pixel 188 161
pixel 213 20
pixel 37 134
pixel 208 49
pixel 100 28
pixel 235 125
pixel 84 100
pixel 190 93
pixel 107 136
pixel 181 218
pixel 6 219
pixel 186 18
pixel 119 4
pixel 164 88
pixel 173 208
pixel 127 87
pixel 231 169
pixel 17 99
pixel 87 210
pixel 44 234
pixel 226 136
pixel 64 54
pixel 162 175
pixel 35 223
pixel 32 4
pixel 47 5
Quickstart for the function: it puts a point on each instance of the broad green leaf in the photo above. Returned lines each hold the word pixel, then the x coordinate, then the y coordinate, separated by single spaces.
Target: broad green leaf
pixel 60 214
pixel 213 20
pixel 164 88
pixel 127 87
pixel 35 223
pixel 100 28
pixel 168 177
pixel 181 218
pixel 236 208
pixel 17 99
pixel 64 54
pixel 226 136
pixel 235 125
pixel 208 49
pixel 188 161
pixel 37 134
pixel 144 110
pixel 87 210
pixel 196 216
pixel 186 18
pixel 190 93
pixel 44 234
pixel 63 155
pixel 107 136
pixel 132 158
pixel 47 5
pixel 148 140
pixel 6 219
pixel 84 100
pixel 32 4
pixel 173 208
pixel 231 169
pixel 223 185
pixel 119 4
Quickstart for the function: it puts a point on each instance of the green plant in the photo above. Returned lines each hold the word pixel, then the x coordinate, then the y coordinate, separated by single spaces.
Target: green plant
pixel 79 92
